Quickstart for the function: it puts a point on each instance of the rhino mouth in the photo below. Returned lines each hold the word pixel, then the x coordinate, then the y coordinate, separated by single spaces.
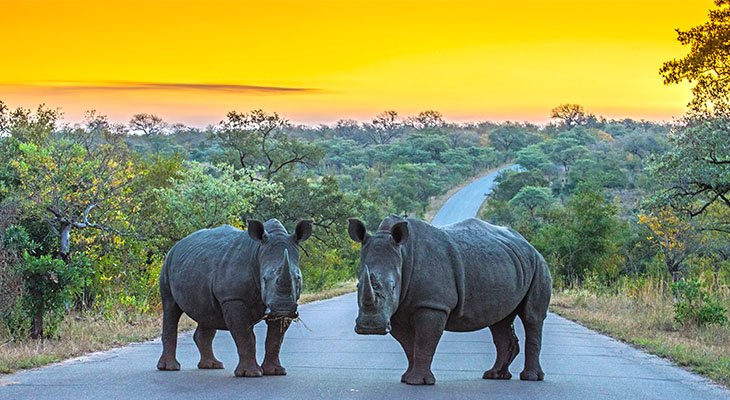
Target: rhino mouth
pixel 372 330
pixel 277 314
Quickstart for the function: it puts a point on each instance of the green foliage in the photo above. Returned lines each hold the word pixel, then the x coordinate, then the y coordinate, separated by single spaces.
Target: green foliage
pixel 696 306
pixel 582 237
pixel 209 196
pixel 695 173
pixel 49 288
pixel 707 64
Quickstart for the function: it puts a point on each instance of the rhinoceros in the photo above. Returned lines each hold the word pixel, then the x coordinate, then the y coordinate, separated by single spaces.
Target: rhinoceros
pixel 228 279
pixel 417 280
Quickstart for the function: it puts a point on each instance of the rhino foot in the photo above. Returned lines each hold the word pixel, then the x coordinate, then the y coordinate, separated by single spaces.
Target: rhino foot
pixel 249 370
pixel 532 375
pixel 497 374
pixel 273 369
pixel 166 364
pixel 418 378
pixel 210 364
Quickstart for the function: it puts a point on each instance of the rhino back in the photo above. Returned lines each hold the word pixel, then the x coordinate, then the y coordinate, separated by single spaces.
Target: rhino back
pixel 209 267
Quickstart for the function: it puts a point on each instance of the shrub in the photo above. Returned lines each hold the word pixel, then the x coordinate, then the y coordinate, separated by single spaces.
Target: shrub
pixel 49 286
pixel 695 306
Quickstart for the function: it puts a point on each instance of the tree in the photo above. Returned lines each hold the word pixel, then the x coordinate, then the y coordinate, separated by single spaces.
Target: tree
pixel 572 115
pixel 695 172
pixel 532 198
pixel 429 119
pixel 581 237
pixel 708 63
pixel 673 235
pixel 258 139
pixel 533 158
pixel 384 127
pixel 566 152
pixel 508 138
pixel 28 127
pixel 63 182
pixel 4 118
pixel 209 196
pixel 148 124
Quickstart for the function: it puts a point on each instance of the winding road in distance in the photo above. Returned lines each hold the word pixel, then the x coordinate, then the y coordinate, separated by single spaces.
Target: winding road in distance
pixel 325 359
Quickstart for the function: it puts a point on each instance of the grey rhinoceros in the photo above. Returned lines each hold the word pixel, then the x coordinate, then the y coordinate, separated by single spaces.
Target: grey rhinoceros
pixel 228 279
pixel 417 280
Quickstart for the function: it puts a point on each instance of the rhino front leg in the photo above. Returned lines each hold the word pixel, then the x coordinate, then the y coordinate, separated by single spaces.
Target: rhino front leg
pixel 274 337
pixel 203 338
pixel 505 340
pixel 240 323
pixel 171 313
pixel 428 326
pixel 404 336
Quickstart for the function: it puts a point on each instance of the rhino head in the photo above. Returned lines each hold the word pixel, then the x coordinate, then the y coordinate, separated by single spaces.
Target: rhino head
pixel 381 268
pixel 278 257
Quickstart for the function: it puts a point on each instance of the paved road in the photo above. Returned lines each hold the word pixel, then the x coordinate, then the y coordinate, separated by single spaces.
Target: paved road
pixel 326 359
pixel 466 202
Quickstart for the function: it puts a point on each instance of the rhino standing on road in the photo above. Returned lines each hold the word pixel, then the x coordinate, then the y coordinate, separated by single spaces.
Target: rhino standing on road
pixel 228 279
pixel 417 280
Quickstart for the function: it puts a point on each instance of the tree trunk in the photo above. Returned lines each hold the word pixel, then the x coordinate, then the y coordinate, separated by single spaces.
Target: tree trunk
pixel 65 242
pixel 36 325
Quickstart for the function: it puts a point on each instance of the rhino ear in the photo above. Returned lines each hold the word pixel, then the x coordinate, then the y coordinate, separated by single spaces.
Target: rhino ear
pixel 302 231
pixel 399 231
pixel 256 230
pixel 357 230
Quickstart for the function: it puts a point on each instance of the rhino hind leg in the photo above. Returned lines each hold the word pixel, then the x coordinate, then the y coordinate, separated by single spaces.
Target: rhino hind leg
pixel 505 340
pixel 532 312
pixel 404 336
pixel 240 324
pixel 171 314
pixel 274 338
pixel 428 327
pixel 203 338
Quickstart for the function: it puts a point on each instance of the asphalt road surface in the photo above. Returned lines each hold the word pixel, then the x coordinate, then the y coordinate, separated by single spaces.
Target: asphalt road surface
pixel 325 359
pixel 466 202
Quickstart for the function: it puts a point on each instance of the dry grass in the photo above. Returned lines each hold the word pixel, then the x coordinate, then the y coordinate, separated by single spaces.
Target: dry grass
pixel 644 317
pixel 339 289
pixel 85 333
pixel 438 202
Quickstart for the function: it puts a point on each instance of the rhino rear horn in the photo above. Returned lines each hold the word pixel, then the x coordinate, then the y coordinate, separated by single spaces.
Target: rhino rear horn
pixel 284 281
pixel 368 294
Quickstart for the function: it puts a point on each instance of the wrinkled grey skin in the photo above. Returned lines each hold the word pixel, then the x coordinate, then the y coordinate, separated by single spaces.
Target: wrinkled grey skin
pixel 417 280
pixel 228 279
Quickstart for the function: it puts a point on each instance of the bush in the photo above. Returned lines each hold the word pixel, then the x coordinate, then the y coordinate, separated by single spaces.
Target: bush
pixel 49 287
pixel 695 306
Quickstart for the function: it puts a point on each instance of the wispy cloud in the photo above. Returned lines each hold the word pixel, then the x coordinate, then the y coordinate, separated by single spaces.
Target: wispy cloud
pixel 70 87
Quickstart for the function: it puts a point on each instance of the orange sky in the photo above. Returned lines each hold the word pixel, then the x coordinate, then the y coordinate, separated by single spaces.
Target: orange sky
pixel 319 61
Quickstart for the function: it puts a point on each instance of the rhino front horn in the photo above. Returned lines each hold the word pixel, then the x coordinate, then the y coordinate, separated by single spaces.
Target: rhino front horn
pixel 284 281
pixel 368 294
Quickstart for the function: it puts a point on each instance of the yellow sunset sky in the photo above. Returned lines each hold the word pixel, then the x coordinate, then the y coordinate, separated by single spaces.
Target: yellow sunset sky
pixel 320 61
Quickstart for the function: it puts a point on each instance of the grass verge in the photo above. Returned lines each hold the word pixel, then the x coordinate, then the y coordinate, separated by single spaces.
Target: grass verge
pixel 84 333
pixel 646 320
